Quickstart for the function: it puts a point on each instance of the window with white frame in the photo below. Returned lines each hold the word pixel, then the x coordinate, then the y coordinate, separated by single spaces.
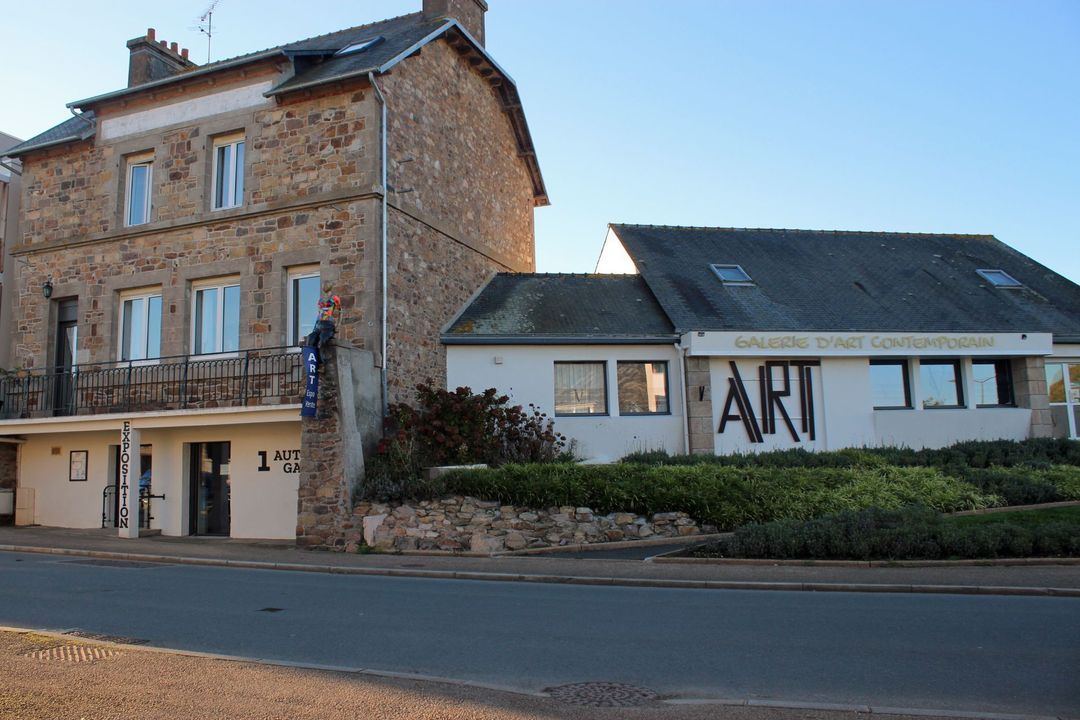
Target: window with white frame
pixel 140 171
pixel 581 388
pixel 228 183
pixel 215 326
pixel 140 325
pixel 303 305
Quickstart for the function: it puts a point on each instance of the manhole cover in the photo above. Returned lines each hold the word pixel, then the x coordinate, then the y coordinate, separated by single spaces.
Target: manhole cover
pixel 119 639
pixel 130 564
pixel 74 653
pixel 602 694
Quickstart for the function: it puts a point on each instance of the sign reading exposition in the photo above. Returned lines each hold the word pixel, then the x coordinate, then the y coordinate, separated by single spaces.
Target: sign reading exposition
pixel 311 391
pixel 127 519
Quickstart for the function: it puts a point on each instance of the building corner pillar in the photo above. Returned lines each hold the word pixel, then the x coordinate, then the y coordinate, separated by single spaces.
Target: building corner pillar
pixel 699 409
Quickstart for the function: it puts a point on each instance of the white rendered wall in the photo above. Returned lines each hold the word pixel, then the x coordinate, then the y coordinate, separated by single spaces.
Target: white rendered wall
pixel 845 416
pixel 527 374
pixel 262 503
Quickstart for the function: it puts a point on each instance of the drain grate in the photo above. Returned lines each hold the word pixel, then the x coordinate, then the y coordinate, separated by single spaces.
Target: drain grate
pixel 119 639
pixel 603 694
pixel 130 564
pixel 74 653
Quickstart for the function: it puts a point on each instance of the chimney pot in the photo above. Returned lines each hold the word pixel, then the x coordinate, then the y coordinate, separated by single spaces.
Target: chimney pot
pixel 163 44
pixel 184 53
pixel 150 34
pixel 175 47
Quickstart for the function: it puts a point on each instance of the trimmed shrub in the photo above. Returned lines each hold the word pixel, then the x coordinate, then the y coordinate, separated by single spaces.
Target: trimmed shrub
pixel 1027 486
pixel 913 533
pixel 718 495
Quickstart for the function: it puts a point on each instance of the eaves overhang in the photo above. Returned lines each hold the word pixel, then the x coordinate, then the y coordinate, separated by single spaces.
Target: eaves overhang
pixel 450 339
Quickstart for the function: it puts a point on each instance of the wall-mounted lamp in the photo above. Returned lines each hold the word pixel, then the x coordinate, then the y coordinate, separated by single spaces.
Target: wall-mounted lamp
pixel 46 289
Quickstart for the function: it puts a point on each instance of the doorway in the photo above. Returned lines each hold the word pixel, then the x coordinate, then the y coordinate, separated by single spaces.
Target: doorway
pixel 1063 387
pixel 66 341
pixel 210 488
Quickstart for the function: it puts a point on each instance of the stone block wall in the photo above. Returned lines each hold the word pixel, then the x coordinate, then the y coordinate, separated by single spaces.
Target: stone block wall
pixel 465 524
pixel 699 410
pixel 1029 385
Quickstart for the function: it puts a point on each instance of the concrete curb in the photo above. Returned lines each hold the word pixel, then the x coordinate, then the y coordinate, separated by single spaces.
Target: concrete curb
pixel 1003 562
pixel 561 579
pixel 389 674
pixel 609 546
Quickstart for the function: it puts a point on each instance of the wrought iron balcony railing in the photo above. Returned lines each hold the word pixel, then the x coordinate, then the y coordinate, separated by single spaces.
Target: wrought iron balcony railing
pixel 268 376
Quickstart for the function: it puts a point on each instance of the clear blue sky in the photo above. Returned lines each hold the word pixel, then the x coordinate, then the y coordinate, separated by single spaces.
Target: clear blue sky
pixel 909 115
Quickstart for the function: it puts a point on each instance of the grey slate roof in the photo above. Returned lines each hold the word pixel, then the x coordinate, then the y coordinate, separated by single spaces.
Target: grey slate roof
pixel 848 281
pixel 74 128
pixel 314 62
pixel 549 308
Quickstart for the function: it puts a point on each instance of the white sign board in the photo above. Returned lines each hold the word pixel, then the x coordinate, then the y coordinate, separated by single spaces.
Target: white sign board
pixel 825 344
pixel 128 492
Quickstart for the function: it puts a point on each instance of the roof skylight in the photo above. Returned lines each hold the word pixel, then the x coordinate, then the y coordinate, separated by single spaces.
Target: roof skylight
pixel 732 274
pixel 1000 278
pixel 358 46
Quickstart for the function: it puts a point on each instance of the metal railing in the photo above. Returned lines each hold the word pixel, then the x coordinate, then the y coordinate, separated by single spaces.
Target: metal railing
pixel 249 377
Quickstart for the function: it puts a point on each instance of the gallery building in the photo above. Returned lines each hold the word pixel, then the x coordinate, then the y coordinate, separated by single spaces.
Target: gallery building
pixel 177 233
pixel 722 340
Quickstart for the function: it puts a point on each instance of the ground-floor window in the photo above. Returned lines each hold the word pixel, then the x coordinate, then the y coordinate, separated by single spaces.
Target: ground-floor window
pixel 581 388
pixel 942 384
pixel 993 383
pixel 643 388
pixel 890 386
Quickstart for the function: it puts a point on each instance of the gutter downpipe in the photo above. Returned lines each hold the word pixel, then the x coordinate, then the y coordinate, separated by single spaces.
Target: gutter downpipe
pixel 682 396
pixel 383 239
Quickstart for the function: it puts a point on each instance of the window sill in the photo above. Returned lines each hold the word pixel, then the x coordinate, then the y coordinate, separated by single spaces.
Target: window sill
pixel 582 415
pixel 889 408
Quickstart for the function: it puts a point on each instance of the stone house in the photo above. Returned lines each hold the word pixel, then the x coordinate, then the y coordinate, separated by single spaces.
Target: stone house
pixel 177 233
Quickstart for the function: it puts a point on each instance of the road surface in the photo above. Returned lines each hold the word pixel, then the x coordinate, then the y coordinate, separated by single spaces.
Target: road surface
pixel 952 652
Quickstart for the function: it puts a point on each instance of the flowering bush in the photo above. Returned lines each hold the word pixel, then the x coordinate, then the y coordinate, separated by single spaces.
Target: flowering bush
pixel 452 427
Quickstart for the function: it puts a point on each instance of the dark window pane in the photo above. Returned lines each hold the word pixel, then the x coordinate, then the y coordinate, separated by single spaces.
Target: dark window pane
pixel 125 343
pixel 238 184
pixel 941 384
pixel 222 176
pixel 888 385
pixel 580 389
pixel 138 192
pixel 206 302
pixel 305 305
pixel 642 387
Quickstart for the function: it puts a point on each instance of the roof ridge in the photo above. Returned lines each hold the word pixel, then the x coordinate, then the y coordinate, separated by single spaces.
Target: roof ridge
pixel 800 230
pixel 567 274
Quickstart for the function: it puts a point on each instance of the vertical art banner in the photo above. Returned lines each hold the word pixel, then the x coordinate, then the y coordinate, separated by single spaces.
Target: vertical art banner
pixel 311 390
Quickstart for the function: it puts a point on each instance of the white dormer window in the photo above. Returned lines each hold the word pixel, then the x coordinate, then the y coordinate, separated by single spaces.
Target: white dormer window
pixel 732 274
pixel 1000 279
pixel 358 46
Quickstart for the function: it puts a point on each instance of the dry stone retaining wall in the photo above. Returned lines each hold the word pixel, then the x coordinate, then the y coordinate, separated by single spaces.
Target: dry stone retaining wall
pixel 466 524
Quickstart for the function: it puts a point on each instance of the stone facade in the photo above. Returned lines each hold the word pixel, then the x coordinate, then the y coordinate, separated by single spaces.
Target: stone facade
pixel 465 524
pixel 1029 385
pixel 699 409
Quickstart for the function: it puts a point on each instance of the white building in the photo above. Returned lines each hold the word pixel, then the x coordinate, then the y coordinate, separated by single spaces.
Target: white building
pixel 729 340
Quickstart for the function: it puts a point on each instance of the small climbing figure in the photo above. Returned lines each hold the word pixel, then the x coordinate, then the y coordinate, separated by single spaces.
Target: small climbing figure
pixel 326 324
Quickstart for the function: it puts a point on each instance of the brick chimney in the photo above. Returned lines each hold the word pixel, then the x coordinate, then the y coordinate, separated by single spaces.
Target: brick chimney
pixel 153 59
pixel 468 13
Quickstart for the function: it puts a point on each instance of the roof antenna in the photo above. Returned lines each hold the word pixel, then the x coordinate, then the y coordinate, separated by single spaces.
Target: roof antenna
pixel 206 26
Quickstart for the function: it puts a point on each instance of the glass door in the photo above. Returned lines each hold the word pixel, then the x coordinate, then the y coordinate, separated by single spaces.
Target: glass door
pixel 66 341
pixel 210 488
pixel 1063 387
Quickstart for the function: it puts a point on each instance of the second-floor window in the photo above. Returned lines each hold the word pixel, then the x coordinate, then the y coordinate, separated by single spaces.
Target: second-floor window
pixel 140 325
pixel 137 202
pixel 216 313
pixel 228 173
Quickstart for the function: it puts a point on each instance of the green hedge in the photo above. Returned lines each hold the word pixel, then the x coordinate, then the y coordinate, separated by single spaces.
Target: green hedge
pixel 724 496
pixel 906 534
pixel 1027 486
pixel 1038 453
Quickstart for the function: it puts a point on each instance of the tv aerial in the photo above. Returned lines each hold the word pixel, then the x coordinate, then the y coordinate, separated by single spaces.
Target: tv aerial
pixel 206 25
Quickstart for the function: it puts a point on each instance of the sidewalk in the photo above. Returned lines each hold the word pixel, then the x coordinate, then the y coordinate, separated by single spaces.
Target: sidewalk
pixel 1027 579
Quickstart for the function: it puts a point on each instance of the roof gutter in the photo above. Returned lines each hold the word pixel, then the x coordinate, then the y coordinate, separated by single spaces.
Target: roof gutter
pixel 1066 339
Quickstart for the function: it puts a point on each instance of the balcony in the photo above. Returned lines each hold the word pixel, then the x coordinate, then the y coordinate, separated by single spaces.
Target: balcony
pixel 271 376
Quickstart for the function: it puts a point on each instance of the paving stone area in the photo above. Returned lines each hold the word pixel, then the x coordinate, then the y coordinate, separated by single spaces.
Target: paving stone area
pixel 466 524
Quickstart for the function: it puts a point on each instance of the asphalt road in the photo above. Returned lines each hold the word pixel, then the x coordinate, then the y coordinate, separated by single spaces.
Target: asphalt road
pixel 954 652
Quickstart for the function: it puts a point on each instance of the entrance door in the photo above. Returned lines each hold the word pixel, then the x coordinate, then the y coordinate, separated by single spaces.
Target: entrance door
pixel 66 341
pixel 210 488
pixel 1063 386
pixel 146 464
